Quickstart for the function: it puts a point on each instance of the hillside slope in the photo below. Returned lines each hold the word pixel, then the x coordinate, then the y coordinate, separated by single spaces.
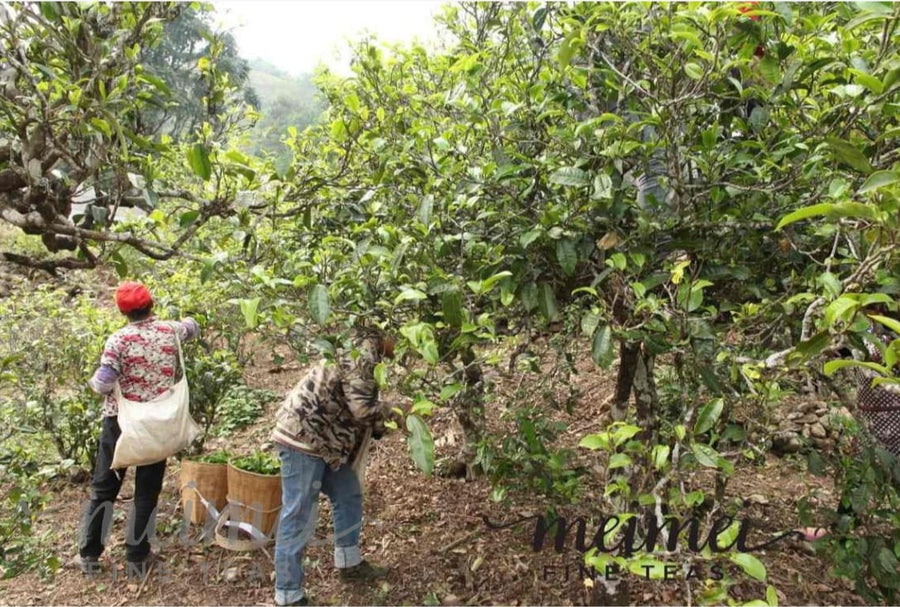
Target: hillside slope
pixel 285 101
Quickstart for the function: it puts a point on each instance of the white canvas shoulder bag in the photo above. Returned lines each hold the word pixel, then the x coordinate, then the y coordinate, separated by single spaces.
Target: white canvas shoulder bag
pixel 155 429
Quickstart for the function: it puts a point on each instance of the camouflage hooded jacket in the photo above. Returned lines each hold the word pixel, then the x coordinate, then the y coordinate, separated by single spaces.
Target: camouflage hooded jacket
pixel 328 411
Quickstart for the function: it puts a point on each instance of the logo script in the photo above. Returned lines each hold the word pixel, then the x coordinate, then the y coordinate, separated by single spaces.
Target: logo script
pixel 629 543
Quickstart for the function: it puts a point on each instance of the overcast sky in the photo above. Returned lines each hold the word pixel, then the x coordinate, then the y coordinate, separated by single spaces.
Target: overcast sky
pixel 296 36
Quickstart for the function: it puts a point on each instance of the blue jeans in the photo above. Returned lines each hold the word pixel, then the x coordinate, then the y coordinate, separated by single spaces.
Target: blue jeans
pixel 303 476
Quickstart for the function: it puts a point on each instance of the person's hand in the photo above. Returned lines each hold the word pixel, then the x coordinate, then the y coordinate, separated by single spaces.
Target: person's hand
pixel 378 430
pixel 387 347
pixel 398 413
pixel 390 418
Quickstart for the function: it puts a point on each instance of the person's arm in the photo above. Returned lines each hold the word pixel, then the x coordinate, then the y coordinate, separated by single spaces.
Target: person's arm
pixel 386 413
pixel 107 374
pixel 361 394
pixel 104 379
pixel 360 388
pixel 188 329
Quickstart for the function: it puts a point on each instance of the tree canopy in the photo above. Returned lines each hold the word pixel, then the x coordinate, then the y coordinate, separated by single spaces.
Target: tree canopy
pixel 77 103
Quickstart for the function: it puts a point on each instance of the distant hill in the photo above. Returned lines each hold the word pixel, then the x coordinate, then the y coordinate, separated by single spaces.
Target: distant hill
pixel 270 83
pixel 285 100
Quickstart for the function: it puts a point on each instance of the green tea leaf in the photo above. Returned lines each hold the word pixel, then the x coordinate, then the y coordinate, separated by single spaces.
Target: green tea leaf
pixel 381 375
pixel 99 123
pixel 727 537
pixel 603 187
pixel 618 460
pixel 410 294
pixel 187 218
pixel 849 154
pixel 450 390
pixel 751 565
pixel 867 80
pixel 879 179
pixel 843 308
pixel 48 10
pixel 528 237
pixel 832 366
pixel 813 346
pixel 451 305
pixel 421 445
pixel 547 302
pixel 595 441
pixel 566 255
pixel 422 406
pixel 891 323
pixel 706 455
pixel 318 304
pixel 844 209
pixel 602 351
pixel 529 296
pixel 660 456
pixel 426 208
pixel 589 323
pixel 569 176
pixel 709 415
pixel 622 433
pixel 249 308
pixel 566 50
pixel 198 159
pixel 693 71
pixel 880 8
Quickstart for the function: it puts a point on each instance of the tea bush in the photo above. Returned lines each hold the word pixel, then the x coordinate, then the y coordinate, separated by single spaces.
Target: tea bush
pixel 527 458
pixel 211 373
pixel 21 500
pixel 240 407
pixel 864 544
pixel 55 340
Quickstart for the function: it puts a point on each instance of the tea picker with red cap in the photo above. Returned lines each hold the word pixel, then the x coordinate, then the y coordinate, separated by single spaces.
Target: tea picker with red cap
pixel 140 362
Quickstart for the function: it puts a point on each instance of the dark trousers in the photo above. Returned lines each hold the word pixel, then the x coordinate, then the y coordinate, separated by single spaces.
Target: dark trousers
pixel 104 490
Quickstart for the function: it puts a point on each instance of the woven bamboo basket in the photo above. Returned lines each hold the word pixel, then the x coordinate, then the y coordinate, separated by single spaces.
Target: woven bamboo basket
pixel 254 498
pixel 201 481
pixel 237 536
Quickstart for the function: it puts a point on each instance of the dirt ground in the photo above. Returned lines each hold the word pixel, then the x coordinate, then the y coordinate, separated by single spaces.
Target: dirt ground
pixel 428 531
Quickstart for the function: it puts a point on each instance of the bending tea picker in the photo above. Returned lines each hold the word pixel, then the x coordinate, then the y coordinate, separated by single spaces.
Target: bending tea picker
pixel 322 431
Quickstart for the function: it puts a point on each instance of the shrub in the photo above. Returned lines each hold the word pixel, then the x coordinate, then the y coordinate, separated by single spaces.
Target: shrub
pixel 240 407
pixel 51 343
pixel 527 459
pixel 865 547
pixel 47 394
pixel 211 374
pixel 21 500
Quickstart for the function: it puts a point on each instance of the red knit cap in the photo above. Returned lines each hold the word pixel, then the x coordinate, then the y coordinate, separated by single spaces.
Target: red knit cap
pixel 746 7
pixel 131 296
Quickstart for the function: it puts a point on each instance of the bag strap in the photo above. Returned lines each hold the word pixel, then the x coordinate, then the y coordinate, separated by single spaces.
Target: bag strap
pixel 180 354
